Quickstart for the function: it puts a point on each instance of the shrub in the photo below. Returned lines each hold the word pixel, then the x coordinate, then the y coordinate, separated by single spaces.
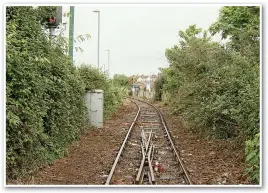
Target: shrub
pixel 252 150
pixel 94 79
pixel 158 87
pixel 45 96
pixel 216 89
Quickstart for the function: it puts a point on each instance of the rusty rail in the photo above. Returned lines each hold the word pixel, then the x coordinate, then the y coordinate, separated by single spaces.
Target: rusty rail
pixel 178 158
pixel 141 172
pixel 122 147
pixel 146 166
pixel 151 171
pixel 148 154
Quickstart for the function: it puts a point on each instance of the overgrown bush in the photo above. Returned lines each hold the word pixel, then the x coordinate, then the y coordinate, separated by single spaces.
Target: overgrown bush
pixel 252 150
pixel 113 97
pixel 45 96
pixel 122 80
pixel 215 87
pixel 158 87
pixel 94 79
pixel 45 93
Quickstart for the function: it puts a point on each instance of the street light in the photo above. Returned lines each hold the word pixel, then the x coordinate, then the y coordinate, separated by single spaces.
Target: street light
pixel 97 11
pixel 108 62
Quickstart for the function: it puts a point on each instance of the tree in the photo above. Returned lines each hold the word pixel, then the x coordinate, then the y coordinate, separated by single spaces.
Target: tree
pixel 216 88
pixel 242 25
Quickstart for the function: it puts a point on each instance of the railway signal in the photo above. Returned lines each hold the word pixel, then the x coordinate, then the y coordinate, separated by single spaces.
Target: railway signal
pixel 53 21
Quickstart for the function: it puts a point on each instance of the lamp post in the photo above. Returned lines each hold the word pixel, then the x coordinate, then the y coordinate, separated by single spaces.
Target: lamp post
pixel 97 11
pixel 71 33
pixel 104 68
pixel 108 62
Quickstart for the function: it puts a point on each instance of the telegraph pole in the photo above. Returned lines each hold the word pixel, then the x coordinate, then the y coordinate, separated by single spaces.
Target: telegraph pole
pixel 71 33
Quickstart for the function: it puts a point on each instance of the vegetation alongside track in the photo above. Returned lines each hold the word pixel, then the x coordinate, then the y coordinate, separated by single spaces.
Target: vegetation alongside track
pixel 215 87
pixel 44 93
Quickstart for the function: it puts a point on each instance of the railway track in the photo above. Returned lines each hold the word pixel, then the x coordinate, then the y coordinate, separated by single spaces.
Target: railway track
pixel 147 155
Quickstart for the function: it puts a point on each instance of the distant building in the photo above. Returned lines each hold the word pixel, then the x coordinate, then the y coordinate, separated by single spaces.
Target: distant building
pixel 146 82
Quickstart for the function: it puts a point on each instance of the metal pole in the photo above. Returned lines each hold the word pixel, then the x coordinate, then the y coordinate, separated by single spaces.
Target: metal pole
pixel 108 63
pixel 108 70
pixel 98 40
pixel 71 32
pixel 96 11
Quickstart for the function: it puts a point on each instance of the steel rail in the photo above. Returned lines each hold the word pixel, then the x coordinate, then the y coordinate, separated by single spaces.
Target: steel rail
pixel 122 146
pixel 187 177
pixel 139 175
pixel 148 142
pixel 146 162
pixel 184 170
pixel 175 151
pixel 151 171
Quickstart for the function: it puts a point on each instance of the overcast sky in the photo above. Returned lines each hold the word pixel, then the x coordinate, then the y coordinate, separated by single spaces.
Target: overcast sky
pixel 136 35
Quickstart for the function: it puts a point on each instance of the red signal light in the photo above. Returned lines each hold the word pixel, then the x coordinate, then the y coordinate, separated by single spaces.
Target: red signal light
pixel 52 20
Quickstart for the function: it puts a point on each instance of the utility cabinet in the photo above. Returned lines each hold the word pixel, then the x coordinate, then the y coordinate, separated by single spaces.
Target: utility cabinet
pixel 94 103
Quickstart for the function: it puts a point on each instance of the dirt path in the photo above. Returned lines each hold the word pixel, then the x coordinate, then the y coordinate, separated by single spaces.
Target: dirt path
pixel 208 161
pixel 90 159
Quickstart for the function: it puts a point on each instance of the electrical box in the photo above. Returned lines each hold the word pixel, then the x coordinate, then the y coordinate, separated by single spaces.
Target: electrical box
pixel 94 103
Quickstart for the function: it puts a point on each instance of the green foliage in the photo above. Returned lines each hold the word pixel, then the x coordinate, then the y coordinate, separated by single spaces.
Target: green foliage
pixel 44 12
pixel 216 88
pixel 95 79
pixel 252 150
pixel 242 25
pixel 236 19
pixel 212 83
pixel 113 96
pixel 158 87
pixel 92 77
pixel 45 96
pixel 121 80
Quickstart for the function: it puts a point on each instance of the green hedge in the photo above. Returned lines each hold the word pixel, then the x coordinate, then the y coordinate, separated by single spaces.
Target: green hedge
pixel 94 79
pixel 216 89
pixel 45 96
pixel 158 88
pixel 45 107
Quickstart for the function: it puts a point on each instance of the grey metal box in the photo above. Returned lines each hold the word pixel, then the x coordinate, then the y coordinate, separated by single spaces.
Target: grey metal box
pixel 94 103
